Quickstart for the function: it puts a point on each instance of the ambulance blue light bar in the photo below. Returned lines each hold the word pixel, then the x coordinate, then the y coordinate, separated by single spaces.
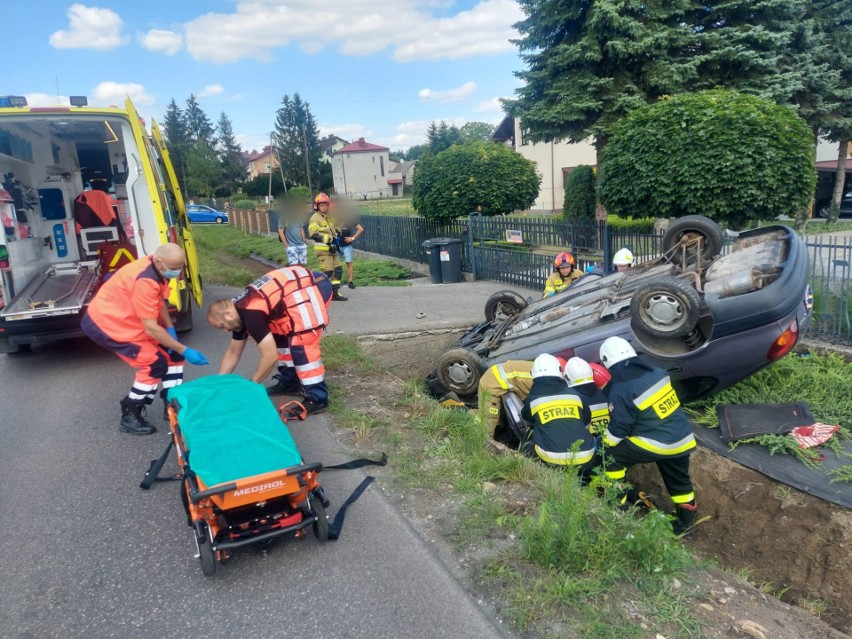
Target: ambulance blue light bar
pixel 13 101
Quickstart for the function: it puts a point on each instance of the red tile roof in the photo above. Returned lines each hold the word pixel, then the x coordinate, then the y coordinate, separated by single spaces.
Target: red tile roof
pixel 359 146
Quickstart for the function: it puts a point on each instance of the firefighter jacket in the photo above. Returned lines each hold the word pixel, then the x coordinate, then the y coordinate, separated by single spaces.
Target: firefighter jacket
pixel 645 410
pixel 556 283
pixel 559 420
pixel 322 229
pixel 510 376
pixel 595 400
pixel 290 299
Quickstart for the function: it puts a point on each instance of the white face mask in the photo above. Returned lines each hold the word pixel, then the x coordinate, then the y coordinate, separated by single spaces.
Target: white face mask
pixel 170 274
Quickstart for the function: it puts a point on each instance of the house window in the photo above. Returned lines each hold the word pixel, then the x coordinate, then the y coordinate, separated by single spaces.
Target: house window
pixel 382 165
pixel 525 132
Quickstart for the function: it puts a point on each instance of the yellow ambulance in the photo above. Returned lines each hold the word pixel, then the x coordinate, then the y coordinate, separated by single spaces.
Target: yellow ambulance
pixel 83 190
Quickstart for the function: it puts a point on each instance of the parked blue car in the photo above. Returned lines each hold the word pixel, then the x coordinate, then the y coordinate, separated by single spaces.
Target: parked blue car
pixel 198 213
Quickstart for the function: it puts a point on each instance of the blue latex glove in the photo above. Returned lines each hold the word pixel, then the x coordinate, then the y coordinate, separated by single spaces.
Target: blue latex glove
pixel 195 357
pixel 172 332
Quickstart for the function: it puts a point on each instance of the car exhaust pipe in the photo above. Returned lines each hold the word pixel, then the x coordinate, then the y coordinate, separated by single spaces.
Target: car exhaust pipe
pixel 745 282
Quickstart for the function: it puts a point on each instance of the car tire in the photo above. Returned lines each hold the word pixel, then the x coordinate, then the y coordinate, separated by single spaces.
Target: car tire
pixel 665 307
pixel 220 220
pixel 691 227
pixel 503 304
pixel 460 370
pixel 823 209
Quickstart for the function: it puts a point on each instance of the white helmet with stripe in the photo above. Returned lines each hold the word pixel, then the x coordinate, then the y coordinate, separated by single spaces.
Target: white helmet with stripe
pixel 578 372
pixel 623 258
pixel 546 365
pixel 615 349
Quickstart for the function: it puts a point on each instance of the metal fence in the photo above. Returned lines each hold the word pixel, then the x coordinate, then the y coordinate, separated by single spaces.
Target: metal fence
pixel 829 273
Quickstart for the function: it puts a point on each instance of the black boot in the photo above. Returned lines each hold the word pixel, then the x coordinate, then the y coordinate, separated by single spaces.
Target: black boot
pixel 133 419
pixel 336 296
pixel 280 389
pixel 685 522
pixel 312 406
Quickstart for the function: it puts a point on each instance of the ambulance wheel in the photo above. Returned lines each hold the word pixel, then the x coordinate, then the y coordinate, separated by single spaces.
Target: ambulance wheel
pixel 206 554
pixel 503 304
pixel 321 522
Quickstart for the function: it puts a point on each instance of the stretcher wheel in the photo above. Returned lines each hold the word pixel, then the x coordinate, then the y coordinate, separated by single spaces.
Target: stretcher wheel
pixel 206 554
pixel 321 523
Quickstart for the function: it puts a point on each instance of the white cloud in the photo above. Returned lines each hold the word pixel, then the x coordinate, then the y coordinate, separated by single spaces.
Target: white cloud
pixel 46 99
pixel 411 30
pixel 107 93
pixel 349 132
pixel 449 95
pixel 90 28
pixel 211 89
pixel 252 142
pixel 489 106
pixel 167 42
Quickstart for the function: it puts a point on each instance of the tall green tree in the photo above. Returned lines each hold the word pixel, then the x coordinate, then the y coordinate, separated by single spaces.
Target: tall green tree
pixel 441 137
pixel 203 168
pixel 177 140
pixel 471 131
pixel 297 141
pixel 591 63
pixel 198 125
pixel 475 176
pixel 230 155
pixel 733 157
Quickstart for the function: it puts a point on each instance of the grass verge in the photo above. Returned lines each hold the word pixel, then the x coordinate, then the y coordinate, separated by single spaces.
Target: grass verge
pixel 824 380
pixel 219 245
pixel 560 554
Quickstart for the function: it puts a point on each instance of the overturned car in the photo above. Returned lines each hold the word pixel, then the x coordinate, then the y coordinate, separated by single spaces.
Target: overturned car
pixel 709 319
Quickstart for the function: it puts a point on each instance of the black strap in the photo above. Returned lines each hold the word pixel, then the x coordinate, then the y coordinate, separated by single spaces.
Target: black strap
pixel 337 525
pixel 155 468
pixel 359 463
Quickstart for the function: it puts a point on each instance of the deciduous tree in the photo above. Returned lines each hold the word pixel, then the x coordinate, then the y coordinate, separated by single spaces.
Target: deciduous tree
pixel 482 176
pixel 580 196
pixel 733 157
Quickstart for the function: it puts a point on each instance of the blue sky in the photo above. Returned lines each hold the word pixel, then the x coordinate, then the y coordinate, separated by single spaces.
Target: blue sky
pixel 378 70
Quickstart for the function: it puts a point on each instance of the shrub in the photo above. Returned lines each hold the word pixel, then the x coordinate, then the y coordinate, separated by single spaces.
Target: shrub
pixel 245 205
pixel 580 198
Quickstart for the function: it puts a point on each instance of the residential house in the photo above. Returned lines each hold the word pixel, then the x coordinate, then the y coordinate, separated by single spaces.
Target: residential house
pixel 260 162
pixel 555 161
pixel 400 175
pixel 362 169
pixel 329 145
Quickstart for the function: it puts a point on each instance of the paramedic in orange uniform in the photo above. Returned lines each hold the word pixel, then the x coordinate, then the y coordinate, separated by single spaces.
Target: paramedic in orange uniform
pixel 128 316
pixel 284 312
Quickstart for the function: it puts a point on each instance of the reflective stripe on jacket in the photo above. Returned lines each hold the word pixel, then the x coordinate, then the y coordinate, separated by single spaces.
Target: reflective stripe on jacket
pixel 324 226
pixel 290 298
pixel 559 418
pixel 513 375
pixel 645 409
pixel 556 283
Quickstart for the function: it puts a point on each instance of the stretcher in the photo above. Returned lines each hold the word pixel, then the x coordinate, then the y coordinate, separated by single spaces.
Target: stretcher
pixel 243 481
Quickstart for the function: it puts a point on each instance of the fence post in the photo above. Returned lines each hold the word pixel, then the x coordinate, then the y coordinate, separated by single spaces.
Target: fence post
pixel 473 218
pixel 607 247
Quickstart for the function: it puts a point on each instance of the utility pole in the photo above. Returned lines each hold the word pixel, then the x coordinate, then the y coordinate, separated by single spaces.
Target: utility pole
pixel 269 168
pixel 307 160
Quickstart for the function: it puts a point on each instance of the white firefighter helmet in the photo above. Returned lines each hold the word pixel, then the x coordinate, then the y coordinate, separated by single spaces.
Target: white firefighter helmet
pixel 623 258
pixel 614 350
pixel 578 372
pixel 545 365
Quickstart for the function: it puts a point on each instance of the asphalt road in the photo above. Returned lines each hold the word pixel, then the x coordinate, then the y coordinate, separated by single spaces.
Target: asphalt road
pixel 86 553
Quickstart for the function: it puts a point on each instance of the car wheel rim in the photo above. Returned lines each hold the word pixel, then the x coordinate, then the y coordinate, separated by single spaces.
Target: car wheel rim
pixel 460 373
pixel 664 311
pixel 504 310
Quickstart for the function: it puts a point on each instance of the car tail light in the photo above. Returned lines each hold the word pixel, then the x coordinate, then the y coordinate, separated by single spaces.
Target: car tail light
pixel 784 343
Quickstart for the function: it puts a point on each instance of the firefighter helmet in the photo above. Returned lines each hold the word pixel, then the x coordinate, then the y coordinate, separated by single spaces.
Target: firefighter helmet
pixel 615 349
pixel 623 258
pixel 601 375
pixel 563 259
pixel 578 372
pixel 545 365
pixel 322 198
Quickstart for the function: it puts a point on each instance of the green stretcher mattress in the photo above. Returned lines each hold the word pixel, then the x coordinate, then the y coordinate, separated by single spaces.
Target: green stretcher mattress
pixel 231 429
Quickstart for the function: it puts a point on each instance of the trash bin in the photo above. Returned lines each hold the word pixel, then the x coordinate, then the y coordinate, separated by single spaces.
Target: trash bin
pixel 433 258
pixel 450 256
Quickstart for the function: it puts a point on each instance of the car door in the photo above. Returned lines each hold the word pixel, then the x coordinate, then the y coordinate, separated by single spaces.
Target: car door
pixel 846 204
